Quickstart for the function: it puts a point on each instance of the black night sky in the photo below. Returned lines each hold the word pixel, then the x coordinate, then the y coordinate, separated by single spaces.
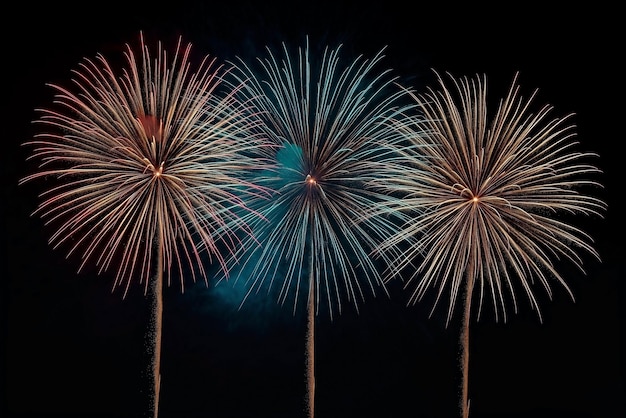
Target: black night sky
pixel 72 348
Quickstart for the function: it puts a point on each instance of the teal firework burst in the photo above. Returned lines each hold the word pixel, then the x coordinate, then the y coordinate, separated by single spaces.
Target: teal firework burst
pixel 332 128
pixel 332 125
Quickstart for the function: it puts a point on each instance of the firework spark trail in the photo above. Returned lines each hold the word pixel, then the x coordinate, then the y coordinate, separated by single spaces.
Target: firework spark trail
pixel 147 166
pixel 490 208
pixel 332 125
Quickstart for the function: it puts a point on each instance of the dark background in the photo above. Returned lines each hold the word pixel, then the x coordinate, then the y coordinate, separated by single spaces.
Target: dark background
pixel 72 348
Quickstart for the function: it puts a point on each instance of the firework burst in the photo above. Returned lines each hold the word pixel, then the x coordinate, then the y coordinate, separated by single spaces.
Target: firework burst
pixel 331 125
pixel 490 208
pixel 145 165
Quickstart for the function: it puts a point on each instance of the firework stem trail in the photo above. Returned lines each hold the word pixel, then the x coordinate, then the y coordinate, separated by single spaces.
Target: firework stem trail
pixel 158 325
pixel 310 343
pixel 465 348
